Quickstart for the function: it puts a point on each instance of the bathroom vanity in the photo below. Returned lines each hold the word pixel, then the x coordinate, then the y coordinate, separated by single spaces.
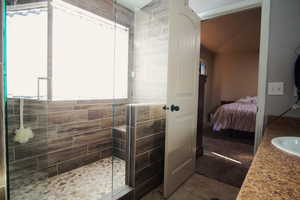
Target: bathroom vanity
pixel 274 174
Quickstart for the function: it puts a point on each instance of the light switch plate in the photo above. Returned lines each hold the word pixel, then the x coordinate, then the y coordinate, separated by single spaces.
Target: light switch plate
pixel 276 88
pixel 295 91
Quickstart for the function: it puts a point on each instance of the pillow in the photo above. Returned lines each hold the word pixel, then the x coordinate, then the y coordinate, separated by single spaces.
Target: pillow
pixel 253 100
pixel 248 100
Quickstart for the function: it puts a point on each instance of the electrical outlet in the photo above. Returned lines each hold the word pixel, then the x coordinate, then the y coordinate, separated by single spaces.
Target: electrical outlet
pixel 276 88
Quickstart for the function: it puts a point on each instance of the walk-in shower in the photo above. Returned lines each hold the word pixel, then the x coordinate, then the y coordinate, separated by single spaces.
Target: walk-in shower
pixel 68 90
pixel 87 81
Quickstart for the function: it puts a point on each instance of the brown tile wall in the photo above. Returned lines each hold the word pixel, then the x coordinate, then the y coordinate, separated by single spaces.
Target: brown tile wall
pixel 107 9
pixel 147 126
pixel 120 138
pixel 68 135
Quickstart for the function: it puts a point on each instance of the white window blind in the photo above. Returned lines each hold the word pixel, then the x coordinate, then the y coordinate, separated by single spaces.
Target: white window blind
pixel 26 52
pixel 90 55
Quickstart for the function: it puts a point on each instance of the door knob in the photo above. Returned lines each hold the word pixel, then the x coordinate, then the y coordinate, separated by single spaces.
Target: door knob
pixel 174 108
pixel 166 108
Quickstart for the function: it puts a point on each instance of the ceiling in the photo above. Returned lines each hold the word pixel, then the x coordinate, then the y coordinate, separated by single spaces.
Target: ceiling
pixel 134 4
pixel 237 32
pixel 204 5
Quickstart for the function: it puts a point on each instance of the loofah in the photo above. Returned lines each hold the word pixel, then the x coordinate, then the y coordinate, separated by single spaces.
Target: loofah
pixel 23 135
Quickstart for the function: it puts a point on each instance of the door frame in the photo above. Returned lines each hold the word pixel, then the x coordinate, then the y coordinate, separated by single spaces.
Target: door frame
pixel 265 6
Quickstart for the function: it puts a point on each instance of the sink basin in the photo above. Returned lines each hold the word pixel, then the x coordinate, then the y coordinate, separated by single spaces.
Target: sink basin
pixel 288 144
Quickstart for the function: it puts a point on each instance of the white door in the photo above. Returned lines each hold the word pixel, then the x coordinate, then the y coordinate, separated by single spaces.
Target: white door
pixel 182 94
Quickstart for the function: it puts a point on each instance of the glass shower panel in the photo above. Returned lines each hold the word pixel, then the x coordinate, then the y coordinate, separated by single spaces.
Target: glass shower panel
pixel 122 59
pixel 82 86
pixel 26 95
pixel 60 72
pixel 138 135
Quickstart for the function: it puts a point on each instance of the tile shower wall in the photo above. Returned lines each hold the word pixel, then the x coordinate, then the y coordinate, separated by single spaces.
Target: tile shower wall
pixel 120 138
pixel 107 9
pixel 151 39
pixel 147 126
pixel 68 134
pixel 147 119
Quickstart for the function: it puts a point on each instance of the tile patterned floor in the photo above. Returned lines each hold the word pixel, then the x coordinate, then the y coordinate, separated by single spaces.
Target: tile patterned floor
pixel 199 188
pixel 90 182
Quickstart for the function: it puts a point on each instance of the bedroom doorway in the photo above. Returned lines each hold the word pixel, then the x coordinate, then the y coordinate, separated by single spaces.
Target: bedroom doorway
pixel 230 54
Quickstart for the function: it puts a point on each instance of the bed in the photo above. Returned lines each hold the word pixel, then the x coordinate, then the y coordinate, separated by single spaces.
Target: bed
pixel 239 116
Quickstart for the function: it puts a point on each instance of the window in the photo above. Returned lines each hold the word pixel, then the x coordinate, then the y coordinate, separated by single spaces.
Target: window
pixel 89 54
pixel 26 52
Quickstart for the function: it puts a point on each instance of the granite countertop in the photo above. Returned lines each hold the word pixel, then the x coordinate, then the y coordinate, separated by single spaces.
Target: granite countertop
pixel 274 174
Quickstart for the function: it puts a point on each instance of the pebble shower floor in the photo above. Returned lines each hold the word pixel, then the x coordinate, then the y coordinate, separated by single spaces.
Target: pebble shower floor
pixel 90 182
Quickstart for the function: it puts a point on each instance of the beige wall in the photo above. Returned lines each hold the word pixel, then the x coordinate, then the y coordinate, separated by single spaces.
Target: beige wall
pixel 233 76
pixel 239 75
pixel 234 41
